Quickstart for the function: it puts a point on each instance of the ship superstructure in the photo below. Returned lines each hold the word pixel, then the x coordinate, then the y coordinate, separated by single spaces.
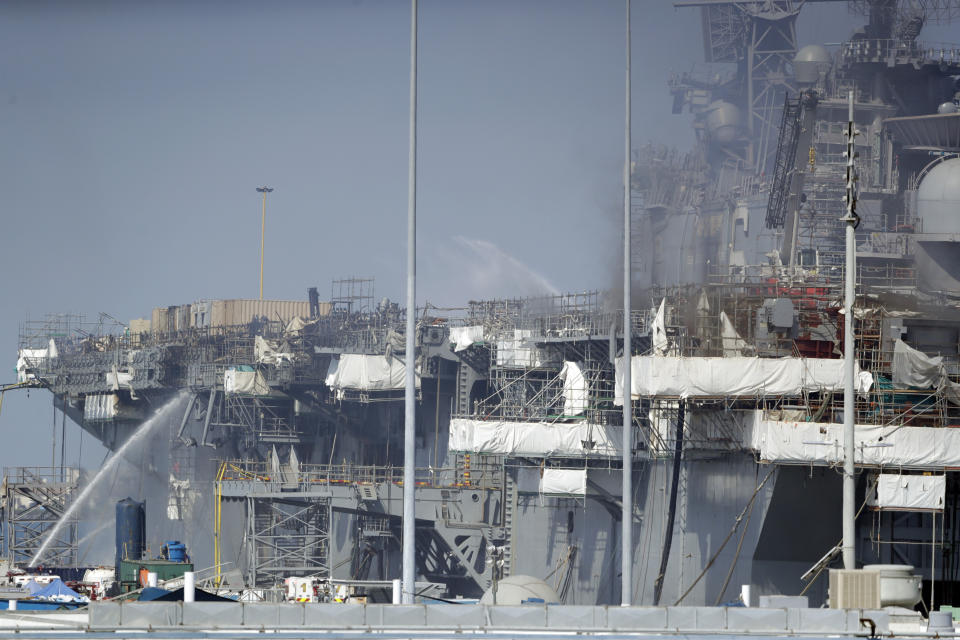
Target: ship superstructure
pixel 285 456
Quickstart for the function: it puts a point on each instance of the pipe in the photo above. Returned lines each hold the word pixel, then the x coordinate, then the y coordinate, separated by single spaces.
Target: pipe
pixel 626 519
pixel 668 536
pixel 189 586
pixel 186 416
pixel 409 422
pixel 206 419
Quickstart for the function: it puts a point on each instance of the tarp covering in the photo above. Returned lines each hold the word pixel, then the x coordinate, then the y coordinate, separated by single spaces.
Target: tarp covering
pixel 822 444
pixel 117 379
pixel 60 592
pixel 267 352
pixel 101 406
pixel 520 351
pixel 733 344
pixel 534 439
pixel 574 389
pixel 913 368
pixel 32 586
pixel 658 330
pixel 297 325
pixel 27 358
pixel 465 337
pixel 903 492
pixel 244 383
pixel 366 373
pixel 668 376
pixel 564 481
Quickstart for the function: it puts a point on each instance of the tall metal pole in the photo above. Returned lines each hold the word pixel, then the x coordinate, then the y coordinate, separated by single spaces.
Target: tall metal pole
pixel 409 422
pixel 263 229
pixel 626 518
pixel 849 487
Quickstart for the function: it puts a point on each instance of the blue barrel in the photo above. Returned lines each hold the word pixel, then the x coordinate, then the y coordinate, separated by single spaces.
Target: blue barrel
pixel 176 551
pixel 131 530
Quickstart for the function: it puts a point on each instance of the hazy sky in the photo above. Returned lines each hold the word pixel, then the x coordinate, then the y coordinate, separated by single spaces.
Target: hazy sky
pixel 134 133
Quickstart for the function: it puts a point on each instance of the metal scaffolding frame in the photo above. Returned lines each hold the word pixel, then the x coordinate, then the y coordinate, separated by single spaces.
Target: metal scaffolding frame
pixel 35 499
pixel 286 537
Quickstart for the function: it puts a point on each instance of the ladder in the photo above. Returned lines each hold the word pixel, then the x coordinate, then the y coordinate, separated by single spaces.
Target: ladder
pixel 784 162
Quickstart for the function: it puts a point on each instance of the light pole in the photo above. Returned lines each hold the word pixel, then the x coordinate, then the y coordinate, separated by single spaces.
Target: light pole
pixel 626 517
pixel 408 548
pixel 263 229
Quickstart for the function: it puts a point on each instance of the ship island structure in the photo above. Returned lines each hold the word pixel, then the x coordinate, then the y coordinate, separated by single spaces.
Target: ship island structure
pixel 285 443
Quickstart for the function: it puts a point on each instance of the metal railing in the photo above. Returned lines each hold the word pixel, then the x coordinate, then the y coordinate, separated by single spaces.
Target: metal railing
pixel 476 475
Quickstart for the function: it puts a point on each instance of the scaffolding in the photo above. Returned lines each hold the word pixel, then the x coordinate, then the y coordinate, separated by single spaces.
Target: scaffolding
pixel 34 501
pixel 286 536
pixel 352 295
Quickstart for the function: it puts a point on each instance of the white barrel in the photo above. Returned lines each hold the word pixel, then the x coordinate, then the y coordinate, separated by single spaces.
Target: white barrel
pixel 152 579
pixel 396 591
pixel 189 586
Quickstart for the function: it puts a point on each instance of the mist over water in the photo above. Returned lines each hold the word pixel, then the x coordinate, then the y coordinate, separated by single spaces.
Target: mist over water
pixel 138 469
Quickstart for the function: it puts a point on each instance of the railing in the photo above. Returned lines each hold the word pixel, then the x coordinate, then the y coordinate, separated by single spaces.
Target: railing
pixel 902 51
pixel 477 475
pixel 45 475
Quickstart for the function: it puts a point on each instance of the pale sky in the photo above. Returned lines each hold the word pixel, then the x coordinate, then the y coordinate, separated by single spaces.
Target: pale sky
pixel 134 134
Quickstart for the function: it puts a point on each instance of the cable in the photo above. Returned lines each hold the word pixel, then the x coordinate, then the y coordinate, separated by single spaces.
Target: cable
pixel 736 556
pixel 736 524
pixel 859 511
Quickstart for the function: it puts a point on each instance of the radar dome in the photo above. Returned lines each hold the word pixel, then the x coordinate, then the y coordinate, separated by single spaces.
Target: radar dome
pixel 947 107
pixel 723 121
pixel 938 198
pixel 809 62
pixel 938 207
pixel 517 589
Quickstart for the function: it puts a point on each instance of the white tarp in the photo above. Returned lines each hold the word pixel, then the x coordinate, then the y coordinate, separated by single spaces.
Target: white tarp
pixel 733 344
pixel 568 482
pixel 465 337
pixel 913 368
pixel 366 373
pixel 100 407
pixel 519 351
pixel 27 358
pixel 574 389
pixel 534 439
pixel 245 383
pixel 267 352
pixel 658 330
pixel 117 379
pixel 904 492
pixel 821 444
pixel 667 376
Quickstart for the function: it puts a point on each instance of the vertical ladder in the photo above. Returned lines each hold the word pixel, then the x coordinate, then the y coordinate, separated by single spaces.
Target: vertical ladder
pixel 509 508
pixel 463 389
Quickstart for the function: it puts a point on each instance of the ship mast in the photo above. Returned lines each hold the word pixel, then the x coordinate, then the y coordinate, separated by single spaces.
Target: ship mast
pixel 849 483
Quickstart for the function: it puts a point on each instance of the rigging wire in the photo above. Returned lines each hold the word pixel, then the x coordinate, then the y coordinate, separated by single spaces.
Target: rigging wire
pixel 736 524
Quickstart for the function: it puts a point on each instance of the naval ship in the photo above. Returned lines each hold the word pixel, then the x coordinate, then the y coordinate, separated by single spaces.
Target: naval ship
pixel 278 453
